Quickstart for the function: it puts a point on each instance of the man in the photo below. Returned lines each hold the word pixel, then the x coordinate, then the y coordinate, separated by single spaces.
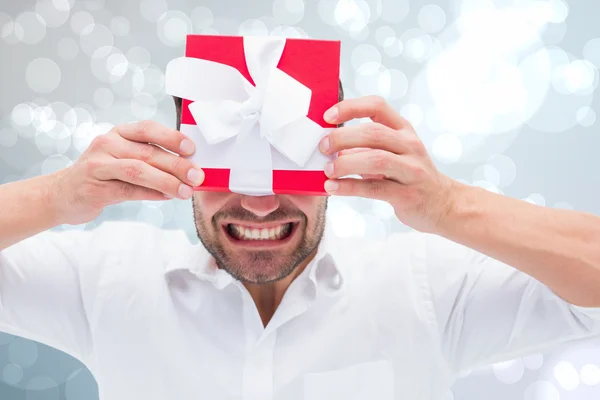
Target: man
pixel 271 305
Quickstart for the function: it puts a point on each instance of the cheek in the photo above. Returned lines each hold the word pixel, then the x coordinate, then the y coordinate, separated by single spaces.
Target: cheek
pixel 206 204
pixel 312 206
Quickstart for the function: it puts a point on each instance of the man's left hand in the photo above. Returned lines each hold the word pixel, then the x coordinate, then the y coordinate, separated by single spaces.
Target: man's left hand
pixel 391 159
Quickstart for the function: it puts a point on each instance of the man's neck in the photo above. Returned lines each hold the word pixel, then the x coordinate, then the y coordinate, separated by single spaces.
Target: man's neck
pixel 268 296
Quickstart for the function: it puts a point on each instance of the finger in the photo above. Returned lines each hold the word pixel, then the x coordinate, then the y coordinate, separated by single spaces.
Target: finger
pixel 372 135
pixel 139 173
pixel 377 162
pixel 123 191
pixel 370 176
pixel 153 132
pixel 173 164
pixel 379 189
pixel 354 150
pixel 373 107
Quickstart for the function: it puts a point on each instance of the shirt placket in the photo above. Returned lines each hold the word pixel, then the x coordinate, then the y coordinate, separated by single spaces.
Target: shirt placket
pixel 258 370
pixel 257 375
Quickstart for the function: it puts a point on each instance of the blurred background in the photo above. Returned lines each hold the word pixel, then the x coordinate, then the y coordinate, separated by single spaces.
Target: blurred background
pixel 503 93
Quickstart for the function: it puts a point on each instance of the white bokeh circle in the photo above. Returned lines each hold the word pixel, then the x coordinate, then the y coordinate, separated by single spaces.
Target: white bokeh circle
pixel 590 374
pixel 288 12
pixel 447 148
pixel 591 51
pixel 506 168
pixel 566 375
pixel 42 75
pixel 54 163
pixel 109 64
pixel 30 27
pixel 382 209
pixel 253 27
pixel 345 220
pixel 144 106
pixel 152 10
pixel 534 361
pixel 12 374
pixel 173 27
pixel 384 34
pixel 99 37
pixel 432 18
pixel 138 57
pixel 8 137
pixel 22 352
pixel 150 80
pixel 372 78
pixel 42 387
pixel 120 26
pixel 541 390
pixel 56 140
pixel 363 54
pixel 413 113
pixel 54 12
pixel 509 372
pixel 202 18
pixel 151 214
pixel 586 116
pixel 394 11
pixel 82 22
pixel 22 114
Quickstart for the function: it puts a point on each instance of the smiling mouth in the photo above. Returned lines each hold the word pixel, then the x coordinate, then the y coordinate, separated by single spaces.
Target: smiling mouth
pixel 273 233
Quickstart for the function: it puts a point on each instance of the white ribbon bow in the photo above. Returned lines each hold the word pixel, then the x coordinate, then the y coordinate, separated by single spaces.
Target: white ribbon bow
pixel 272 113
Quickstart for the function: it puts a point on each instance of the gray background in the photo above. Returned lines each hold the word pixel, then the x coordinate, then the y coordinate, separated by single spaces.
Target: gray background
pixel 501 92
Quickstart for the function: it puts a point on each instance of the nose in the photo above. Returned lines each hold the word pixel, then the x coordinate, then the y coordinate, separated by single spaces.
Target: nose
pixel 260 205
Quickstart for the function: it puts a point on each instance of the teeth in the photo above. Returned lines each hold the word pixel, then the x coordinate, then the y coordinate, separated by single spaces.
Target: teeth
pixel 243 233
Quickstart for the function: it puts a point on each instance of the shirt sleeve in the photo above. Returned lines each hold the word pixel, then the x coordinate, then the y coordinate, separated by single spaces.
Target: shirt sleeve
pixel 488 312
pixel 40 291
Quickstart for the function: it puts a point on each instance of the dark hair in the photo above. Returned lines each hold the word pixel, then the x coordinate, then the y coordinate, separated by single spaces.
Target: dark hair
pixel 178 103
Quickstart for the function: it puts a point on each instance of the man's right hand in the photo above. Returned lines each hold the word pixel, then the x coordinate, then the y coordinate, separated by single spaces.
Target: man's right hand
pixel 122 165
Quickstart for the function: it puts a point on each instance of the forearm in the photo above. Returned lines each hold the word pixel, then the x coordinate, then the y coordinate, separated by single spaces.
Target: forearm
pixel 26 209
pixel 557 247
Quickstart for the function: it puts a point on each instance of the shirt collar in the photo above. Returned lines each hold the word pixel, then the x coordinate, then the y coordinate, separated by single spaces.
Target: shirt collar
pixel 323 271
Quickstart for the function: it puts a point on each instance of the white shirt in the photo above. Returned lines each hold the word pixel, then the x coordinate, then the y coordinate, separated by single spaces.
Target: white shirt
pixel 153 318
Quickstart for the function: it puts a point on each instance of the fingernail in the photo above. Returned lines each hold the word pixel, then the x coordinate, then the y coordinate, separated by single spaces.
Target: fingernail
pixel 331 186
pixel 167 196
pixel 196 176
pixel 187 146
pixel 331 115
pixel 325 144
pixel 329 169
pixel 185 191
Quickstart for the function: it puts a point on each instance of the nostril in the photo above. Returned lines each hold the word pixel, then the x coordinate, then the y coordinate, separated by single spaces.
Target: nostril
pixel 260 206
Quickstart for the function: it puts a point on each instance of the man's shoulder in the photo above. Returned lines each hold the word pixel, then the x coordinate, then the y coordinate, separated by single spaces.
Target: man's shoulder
pixel 405 249
pixel 396 253
pixel 131 241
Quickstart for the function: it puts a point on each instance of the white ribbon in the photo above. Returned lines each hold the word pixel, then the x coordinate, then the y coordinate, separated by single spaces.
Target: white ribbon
pixel 272 113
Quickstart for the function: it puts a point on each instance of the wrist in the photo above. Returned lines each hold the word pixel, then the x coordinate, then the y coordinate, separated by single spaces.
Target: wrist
pixel 456 204
pixel 52 196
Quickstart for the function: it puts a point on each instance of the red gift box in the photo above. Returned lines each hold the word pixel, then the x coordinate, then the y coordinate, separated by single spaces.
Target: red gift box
pixel 313 63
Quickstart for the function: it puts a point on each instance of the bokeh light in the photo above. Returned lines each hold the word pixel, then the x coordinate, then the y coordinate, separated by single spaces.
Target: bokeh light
pixel 509 372
pixel 54 12
pixel 476 92
pixel 173 26
pixel 288 12
pixel 82 22
pixel 566 375
pixel 541 390
pixel 30 27
pixel 43 75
